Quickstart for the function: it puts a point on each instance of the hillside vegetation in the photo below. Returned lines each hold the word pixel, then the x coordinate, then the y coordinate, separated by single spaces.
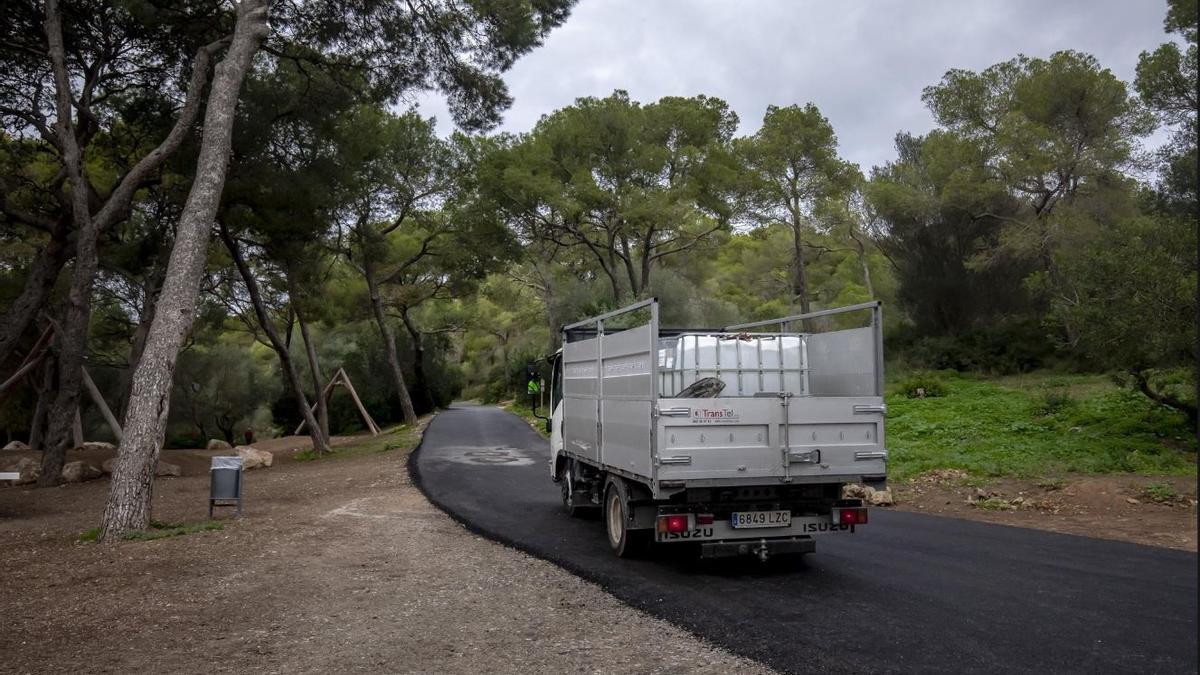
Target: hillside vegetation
pixel 1032 426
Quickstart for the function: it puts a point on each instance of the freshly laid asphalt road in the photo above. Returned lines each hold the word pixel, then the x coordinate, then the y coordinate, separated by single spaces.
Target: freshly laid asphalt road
pixel 906 593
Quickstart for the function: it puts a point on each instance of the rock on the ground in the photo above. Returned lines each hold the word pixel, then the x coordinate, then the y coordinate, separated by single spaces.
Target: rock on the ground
pixel 253 458
pixel 98 445
pixel 77 472
pixel 856 491
pixel 881 497
pixel 18 446
pixel 29 469
pixel 868 494
pixel 218 444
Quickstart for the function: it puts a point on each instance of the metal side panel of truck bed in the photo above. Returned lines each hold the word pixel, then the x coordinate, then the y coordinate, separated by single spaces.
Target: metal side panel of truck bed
pixel 608 399
pixel 770 439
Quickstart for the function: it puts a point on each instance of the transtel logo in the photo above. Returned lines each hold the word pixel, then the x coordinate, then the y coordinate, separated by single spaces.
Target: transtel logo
pixel 711 415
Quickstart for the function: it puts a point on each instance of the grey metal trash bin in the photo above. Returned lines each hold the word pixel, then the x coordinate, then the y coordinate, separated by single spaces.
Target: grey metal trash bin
pixel 225 484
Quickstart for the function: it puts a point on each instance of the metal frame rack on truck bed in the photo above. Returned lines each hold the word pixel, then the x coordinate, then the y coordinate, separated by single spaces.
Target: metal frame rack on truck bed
pixel 736 439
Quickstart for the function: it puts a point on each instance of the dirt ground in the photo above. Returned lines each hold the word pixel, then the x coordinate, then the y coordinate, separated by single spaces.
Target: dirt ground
pixel 1122 507
pixel 339 565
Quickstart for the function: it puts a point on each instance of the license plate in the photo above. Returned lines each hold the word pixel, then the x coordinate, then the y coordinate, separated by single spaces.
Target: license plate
pixel 747 519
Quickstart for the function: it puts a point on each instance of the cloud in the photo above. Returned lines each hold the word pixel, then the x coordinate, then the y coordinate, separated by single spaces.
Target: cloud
pixel 863 64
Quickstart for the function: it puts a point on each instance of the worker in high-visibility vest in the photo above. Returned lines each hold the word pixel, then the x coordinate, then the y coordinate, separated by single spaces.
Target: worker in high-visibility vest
pixel 532 389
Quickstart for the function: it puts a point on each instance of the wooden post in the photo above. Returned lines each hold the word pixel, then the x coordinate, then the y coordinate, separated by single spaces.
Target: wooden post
pixel 77 428
pixel 341 376
pixel 325 393
pixel 361 409
pixel 104 410
pixel 16 377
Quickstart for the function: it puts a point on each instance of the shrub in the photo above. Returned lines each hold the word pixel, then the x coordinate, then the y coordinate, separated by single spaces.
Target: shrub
pixel 923 385
pixel 1053 399
pixel 1159 492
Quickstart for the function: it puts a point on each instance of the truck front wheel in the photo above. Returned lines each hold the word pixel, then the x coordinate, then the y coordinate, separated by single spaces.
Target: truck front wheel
pixel 567 483
pixel 626 543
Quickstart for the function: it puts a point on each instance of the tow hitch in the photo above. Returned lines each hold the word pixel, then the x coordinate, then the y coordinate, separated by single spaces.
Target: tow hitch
pixel 761 551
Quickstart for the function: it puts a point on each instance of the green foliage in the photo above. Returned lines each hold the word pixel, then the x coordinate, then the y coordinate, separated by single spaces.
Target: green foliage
pixel 223 386
pixel 943 213
pixel 1161 492
pixel 923 385
pixel 992 504
pixel 1134 302
pixel 992 428
pixel 1055 398
pixel 619 184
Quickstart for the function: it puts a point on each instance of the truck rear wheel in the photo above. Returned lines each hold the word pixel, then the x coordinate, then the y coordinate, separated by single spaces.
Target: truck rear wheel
pixel 626 543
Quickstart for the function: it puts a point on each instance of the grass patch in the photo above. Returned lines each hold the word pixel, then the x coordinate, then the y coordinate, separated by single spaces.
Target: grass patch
pixel 523 411
pixel 1033 426
pixel 1162 493
pixel 993 504
pixel 1052 484
pixel 159 530
pixel 924 384
pixel 396 438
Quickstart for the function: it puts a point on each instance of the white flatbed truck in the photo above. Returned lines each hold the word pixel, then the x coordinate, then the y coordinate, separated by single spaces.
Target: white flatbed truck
pixel 736 440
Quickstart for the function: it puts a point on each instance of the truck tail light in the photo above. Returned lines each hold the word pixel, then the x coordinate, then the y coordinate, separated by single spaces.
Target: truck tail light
pixel 704 519
pixel 850 516
pixel 673 523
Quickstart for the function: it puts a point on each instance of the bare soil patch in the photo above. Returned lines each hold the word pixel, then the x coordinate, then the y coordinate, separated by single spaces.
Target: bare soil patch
pixel 339 565
pixel 1153 510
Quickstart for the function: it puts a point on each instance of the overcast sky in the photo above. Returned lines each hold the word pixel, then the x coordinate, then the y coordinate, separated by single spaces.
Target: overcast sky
pixel 864 63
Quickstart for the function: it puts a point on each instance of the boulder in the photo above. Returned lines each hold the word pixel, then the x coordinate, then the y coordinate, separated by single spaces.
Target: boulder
pixel 167 469
pixel 218 444
pixel 77 472
pixel 856 491
pixel 16 446
pixel 253 458
pixel 29 469
pixel 98 445
pixel 880 497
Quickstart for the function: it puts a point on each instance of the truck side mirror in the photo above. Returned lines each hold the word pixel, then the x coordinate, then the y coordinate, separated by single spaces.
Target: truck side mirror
pixel 549 428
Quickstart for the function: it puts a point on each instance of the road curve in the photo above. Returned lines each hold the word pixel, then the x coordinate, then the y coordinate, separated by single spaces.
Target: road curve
pixel 908 593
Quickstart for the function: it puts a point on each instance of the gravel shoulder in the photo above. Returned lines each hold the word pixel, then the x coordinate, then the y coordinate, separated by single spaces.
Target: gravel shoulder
pixel 1149 510
pixel 339 565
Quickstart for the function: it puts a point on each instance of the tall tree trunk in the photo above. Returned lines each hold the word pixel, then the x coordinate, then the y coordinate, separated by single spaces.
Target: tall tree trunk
pixel 320 442
pixel 422 384
pixel 799 272
pixel 389 342
pixel 318 378
pixel 131 488
pixel 800 278
pixel 43 274
pixel 861 249
pixel 72 338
